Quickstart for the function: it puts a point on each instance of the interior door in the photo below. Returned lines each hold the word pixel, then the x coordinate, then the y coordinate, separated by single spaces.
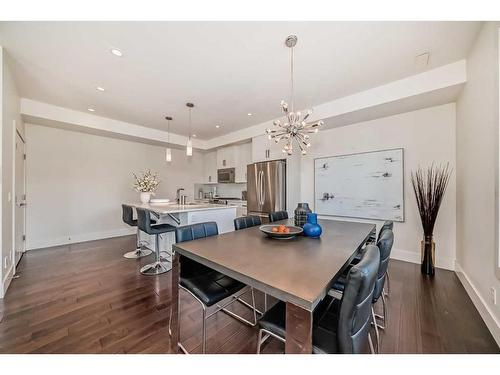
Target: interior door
pixel 20 199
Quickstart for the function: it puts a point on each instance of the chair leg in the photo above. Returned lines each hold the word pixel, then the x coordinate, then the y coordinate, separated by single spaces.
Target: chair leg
pixel 236 316
pixel 170 324
pixel 388 283
pixel 259 341
pixel 376 329
pixel 204 332
pixel 371 343
pixel 384 306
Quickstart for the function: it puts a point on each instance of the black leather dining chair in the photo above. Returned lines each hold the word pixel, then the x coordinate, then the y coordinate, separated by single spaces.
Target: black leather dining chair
pixel 246 222
pixel 278 215
pixel 385 242
pixel 339 326
pixel 128 218
pixel 387 225
pixel 206 285
pixel 144 223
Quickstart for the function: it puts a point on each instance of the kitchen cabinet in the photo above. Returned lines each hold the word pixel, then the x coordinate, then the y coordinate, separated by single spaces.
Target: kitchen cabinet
pixel 226 157
pixel 237 157
pixel 243 158
pixel 210 167
pixel 264 149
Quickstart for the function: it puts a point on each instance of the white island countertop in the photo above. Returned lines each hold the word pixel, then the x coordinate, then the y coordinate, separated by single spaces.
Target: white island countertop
pixel 172 208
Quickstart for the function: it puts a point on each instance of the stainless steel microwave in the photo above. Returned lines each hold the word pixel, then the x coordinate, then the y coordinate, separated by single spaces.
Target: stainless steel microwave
pixel 226 175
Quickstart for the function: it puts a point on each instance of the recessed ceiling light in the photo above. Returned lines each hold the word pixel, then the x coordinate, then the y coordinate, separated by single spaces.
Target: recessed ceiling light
pixel 99 88
pixel 249 114
pixel 217 126
pixel 116 52
pixel 194 135
pixel 91 109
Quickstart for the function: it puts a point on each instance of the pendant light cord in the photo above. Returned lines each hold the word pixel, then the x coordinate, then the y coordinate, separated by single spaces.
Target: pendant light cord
pixel 189 135
pixel 291 76
pixel 168 128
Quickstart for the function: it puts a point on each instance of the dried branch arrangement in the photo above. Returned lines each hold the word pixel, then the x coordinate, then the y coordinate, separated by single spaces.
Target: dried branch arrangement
pixel 429 186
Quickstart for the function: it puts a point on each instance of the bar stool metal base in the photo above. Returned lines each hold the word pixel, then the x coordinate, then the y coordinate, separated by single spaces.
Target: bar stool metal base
pixel 139 253
pixel 156 268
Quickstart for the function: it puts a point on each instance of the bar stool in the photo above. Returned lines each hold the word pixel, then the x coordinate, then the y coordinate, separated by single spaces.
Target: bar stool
pixel 144 223
pixel 128 218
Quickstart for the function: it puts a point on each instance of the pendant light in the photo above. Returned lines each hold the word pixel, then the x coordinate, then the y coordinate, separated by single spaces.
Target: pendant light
pixel 168 151
pixel 294 128
pixel 189 144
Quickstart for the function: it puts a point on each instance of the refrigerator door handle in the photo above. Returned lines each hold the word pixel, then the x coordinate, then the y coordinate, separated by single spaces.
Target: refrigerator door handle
pixel 259 200
pixel 263 191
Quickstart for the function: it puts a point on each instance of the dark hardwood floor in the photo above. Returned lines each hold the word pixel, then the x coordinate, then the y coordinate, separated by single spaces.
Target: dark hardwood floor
pixel 87 298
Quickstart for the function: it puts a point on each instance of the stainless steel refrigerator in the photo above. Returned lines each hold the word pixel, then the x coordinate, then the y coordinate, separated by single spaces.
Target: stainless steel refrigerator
pixel 266 187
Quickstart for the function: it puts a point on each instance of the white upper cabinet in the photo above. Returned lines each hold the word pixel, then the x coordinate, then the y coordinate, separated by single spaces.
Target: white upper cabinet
pixel 264 149
pixel 243 158
pixel 226 157
pixel 210 167
pixel 237 157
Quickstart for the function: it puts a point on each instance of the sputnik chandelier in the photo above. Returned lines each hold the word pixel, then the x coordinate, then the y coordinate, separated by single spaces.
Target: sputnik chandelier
pixel 294 128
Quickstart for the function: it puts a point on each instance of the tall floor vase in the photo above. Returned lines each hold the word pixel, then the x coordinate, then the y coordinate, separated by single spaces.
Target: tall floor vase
pixel 428 248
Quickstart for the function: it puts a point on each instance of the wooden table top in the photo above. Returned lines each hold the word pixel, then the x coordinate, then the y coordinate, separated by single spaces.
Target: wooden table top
pixel 299 270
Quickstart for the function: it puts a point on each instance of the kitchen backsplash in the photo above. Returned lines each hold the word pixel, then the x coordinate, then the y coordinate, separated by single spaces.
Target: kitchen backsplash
pixel 223 190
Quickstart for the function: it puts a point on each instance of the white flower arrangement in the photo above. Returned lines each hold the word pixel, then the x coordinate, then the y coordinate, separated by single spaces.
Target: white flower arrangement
pixel 147 182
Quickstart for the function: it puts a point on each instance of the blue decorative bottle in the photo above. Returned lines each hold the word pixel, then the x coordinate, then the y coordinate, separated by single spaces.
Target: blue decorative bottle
pixel 312 228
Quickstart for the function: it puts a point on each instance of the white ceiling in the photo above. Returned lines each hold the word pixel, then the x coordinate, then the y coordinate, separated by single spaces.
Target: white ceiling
pixel 226 68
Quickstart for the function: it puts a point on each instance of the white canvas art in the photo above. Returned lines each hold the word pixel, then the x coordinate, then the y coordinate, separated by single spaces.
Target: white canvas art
pixel 366 185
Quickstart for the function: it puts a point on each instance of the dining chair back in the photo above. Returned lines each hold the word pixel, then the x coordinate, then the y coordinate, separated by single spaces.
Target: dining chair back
pixel 355 312
pixel 246 222
pixel 278 215
pixel 384 244
pixel 190 268
pixel 388 224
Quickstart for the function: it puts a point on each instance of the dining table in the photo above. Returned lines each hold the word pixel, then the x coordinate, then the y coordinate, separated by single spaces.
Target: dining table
pixel 298 271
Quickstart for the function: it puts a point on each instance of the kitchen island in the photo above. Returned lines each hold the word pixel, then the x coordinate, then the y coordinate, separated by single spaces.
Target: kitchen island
pixel 191 213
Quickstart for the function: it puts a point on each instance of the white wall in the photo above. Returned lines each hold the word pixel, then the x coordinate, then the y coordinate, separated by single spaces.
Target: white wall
pixel 10 112
pixel 477 154
pixel 76 183
pixel 427 136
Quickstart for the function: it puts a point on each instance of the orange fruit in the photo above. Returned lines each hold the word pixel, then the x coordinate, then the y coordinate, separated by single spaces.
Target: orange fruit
pixel 275 229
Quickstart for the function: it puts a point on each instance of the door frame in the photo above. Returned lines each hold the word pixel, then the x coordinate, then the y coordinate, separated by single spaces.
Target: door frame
pixel 13 256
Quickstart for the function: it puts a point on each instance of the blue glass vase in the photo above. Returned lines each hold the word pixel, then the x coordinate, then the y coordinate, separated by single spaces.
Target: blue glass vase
pixel 312 228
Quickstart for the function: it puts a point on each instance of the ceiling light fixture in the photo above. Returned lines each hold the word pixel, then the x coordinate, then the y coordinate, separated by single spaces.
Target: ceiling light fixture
pixel 99 88
pixel 189 144
pixel 116 52
pixel 194 135
pixel 294 128
pixel 217 126
pixel 249 114
pixel 168 151
pixel 91 109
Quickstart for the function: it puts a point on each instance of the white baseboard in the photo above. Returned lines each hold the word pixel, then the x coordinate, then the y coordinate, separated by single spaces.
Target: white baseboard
pixel 6 281
pixel 43 243
pixel 486 313
pixel 414 257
